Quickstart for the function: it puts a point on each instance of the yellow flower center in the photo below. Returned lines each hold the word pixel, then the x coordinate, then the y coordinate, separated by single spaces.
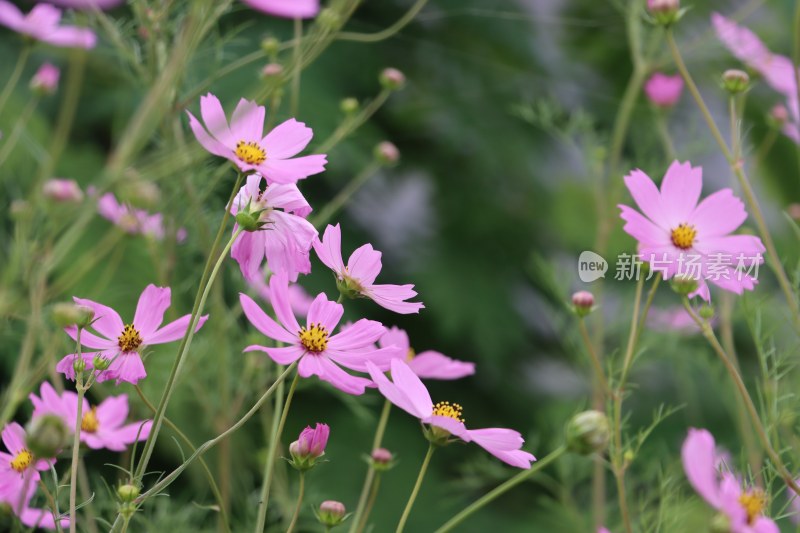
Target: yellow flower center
pixel 315 338
pixel 22 461
pixel 683 236
pixel 89 423
pixel 251 153
pixel 450 410
pixel 411 354
pixel 754 503
pixel 130 340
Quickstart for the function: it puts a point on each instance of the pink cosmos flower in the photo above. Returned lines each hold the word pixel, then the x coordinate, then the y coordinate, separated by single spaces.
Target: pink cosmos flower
pixel 409 394
pixel 102 426
pixel 285 238
pixel 242 143
pixel 121 343
pixel 311 442
pixel 61 190
pixel 19 469
pixel 46 79
pixel 42 23
pixel 672 320
pixel 358 277
pixel 428 364
pixel 663 90
pixel 679 236
pixel 134 221
pixel 291 9
pixel 87 4
pixel 319 352
pixel 299 299
pixel 29 516
pixel 722 490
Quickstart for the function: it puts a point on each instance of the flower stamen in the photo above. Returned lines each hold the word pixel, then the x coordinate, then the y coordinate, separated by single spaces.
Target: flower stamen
pixel 450 410
pixel 89 422
pixel 250 152
pixel 683 236
pixel 754 503
pixel 22 461
pixel 129 340
pixel 314 338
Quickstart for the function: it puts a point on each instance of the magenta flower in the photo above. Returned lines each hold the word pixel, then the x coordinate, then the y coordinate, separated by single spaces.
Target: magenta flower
pixel 61 190
pixel 312 442
pixel 29 516
pixel 285 237
pixel 722 490
pixel 679 236
pixel 19 469
pixel 102 426
pixel 272 156
pixel 134 221
pixel 428 364
pixel 87 4
pixel 299 299
pixel 42 24
pixel 120 344
pixel 409 394
pixel 358 277
pixel 320 353
pixel 290 9
pixel 663 90
pixel 45 81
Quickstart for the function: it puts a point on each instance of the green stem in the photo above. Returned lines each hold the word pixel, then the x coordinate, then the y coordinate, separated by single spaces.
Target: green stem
pixel 737 166
pixel 206 281
pixel 424 468
pixel 76 439
pixel 376 443
pixel 22 120
pixel 270 461
pixel 600 375
pixel 338 201
pixel 401 23
pixel 13 79
pixel 664 136
pixel 796 58
pixel 296 515
pixel 373 495
pixel 647 304
pixel 348 126
pixel 297 70
pixel 500 490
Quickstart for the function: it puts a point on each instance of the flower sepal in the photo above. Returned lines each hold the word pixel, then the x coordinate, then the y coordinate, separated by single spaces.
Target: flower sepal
pixel 349 288
pixel 437 436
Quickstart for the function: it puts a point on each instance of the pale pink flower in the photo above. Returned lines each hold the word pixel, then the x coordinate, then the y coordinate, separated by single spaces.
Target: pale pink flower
pixel 290 9
pixel 663 90
pixel 319 351
pixel 134 221
pixel 102 426
pixel 62 190
pixel 722 490
pixel 679 236
pixel 299 299
pixel 358 277
pixel 42 23
pixel 409 394
pixel 121 343
pixel 87 4
pixel 18 467
pixel 242 143
pixel 285 237
pixel 29 516
pixel 46 79
pixel 674 320
pixel 428 364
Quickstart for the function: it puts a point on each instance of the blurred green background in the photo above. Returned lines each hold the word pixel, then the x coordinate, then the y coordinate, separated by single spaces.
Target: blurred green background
pixel 504 122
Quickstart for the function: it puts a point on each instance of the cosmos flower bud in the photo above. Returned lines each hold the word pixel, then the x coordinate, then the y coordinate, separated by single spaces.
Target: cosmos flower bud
pixel 61 190
pixel 331 513
pixel 329 19
pixel 45 81
pixel 271 46
pixel 706 312
pixel 381 459
pixel 349 105
pixel 78 365
pixel 683 285
pixel 127 492
pixel 69 314
pixel 309 446
pixel 664 12
pixel 662 90
pixel 387 153
pixel 46 436
pixel 100 363
pixel 583 303
pixel 392 79
pixel 735 81
pixel 778 115
pixel 588 432
pixel 248 221
pixel 271 70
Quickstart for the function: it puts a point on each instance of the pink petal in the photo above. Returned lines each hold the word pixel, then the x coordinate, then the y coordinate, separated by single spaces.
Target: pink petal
pixel 365 264
pixel 718 214
pixel 391 297
pixel 287 139
pixel 206 141
pixel 325 312
pixel 65 365
pixel 106 320
pixel 680 191
pixel 174 331
pixel 359 335
pixel 410 385
pixel 150 310
pixel 289 198
pixel 91 340
pixel 287 244
pixel 642 229
pixel 329 249
pixel 130 433
pixel 504 444
pixel 113 411
pixel 698 454
pixel 10 15
pixel 357 360
pixel 749 245
pixel 281 303
pixel 283 356
pixel 70 37
pixel 396 337
pixel 392 393
pixel 434 365
pixel 263 322
pixel 291 170
pixel 647 197
pixel 326 370
pixel 287 9
pixel 215 121
pixel 763 524
pixel 451 425
pixel 13 438
pixel 247 121
pixel 248 251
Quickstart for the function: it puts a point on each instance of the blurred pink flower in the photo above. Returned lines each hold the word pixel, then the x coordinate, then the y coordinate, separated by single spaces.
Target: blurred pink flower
pixel 30 516
pixel 86 4
pixel 409 394
pixel 319 352
pixel 299 299
pixel 428 364
pixel 62 190
pixel 663 90
pixel 674 319
pixel 291 9
pixel 19 469
pixel 242 143
pixel 46 79
pixel 42 23
pixel 286 236
pixel 102 426
pixel 134 221
pixel 358 277
pixel 679 236
pixel 121 343
pixel 722 490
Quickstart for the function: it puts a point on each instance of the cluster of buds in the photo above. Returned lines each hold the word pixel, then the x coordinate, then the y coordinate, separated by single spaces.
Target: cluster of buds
pixel 309 447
